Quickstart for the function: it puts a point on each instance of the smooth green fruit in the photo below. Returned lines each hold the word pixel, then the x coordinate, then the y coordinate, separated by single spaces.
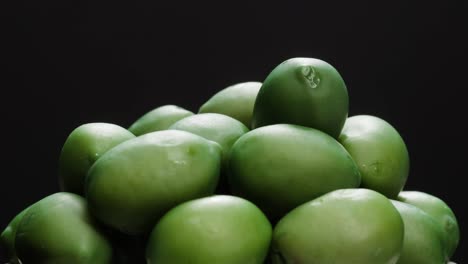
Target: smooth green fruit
pixel 59 229
pixel 236 101
pixel 440 211
pixel 279 167
pixel 160 118
pixel 131 186
pixel 303 91
pixel 423 242
pixel 219 128
pixel 7 238
pixel 218 229
pixel 83 147
pixel 340 227
pixel 379 151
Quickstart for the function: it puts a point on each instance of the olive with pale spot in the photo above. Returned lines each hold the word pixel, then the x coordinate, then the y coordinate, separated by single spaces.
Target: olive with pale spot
pixel 303 91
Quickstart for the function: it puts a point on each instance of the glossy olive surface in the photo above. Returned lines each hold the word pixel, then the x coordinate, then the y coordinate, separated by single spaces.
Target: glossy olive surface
pixel 219 128
pixel 59 229
pixel 340 227
pixel 131 186
pixel 82 148
pixel 8 236
pixel 218 229
pixel 236 101
pixel 440 211
pixel 303 91
pixel 160 118
pixel 279 167
pixel 423 242
pixel 379 151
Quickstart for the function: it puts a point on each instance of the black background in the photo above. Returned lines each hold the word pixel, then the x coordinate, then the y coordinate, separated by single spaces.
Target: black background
pixel 69 63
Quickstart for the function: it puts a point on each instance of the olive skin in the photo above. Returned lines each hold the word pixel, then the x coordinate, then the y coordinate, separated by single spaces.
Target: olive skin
pixel 303 91
pixel 279 167
pixel 82 148
pixel 236 101
pixel 132 185
pixel 423 242
pixel 160 118
pixel 219 128
pixel 7 238
pixel 59 229
pixel 218 229
pixel 379 151
pixel 440 211
pixel 340 227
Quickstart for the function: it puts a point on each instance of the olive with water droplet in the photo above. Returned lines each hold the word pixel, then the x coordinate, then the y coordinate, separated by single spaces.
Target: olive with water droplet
pixel 132 185
pixel 303 91
pixel 379 151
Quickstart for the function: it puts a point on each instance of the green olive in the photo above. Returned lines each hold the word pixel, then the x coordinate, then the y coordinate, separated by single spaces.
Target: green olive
pixel 7 238
pixel 83 147
pixel 440 211
pixel 236 101
pixel 160 118
pixel 379 151
pixel 217 229
pixel 279 167
pixel 303 91
pixel 59 229
pixel 219 128
pixel 423 242
pixel 340 227
pixel 132 185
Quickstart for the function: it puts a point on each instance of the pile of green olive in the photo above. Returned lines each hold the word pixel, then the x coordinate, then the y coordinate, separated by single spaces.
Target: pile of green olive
pixel 273 172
